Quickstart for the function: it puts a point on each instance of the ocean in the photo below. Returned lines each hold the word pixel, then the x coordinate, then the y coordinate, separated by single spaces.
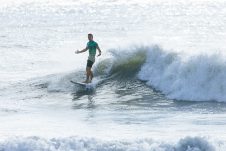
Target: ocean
pixel 159 85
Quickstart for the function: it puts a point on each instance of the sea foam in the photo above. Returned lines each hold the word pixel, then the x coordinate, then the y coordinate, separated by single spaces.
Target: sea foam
pixel 92 144
pixel 195 77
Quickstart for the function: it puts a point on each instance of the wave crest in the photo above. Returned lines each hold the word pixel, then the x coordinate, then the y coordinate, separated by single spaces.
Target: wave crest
pixel 196 78
pixel 182 77
pixel 78 143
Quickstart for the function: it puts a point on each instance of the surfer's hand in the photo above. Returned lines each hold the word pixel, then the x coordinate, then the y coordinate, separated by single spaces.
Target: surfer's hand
pixel 77 51
pixel 99 55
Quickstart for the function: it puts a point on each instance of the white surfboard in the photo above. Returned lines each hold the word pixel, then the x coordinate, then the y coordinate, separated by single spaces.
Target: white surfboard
pixel 91 85
pixel 79 83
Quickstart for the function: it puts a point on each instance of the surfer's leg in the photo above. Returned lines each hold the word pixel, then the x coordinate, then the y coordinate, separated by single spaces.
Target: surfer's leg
pixel 87 75
pixel 88 66
pixel 91 75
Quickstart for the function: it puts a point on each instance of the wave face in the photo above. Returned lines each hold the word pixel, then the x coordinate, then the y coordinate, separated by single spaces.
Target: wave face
pixel 199 77
pixel 194 78
pixel 91 144
pixel 122 62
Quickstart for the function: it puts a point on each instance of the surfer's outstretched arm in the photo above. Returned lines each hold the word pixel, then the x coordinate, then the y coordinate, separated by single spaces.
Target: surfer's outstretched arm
pixel 83 50
pixel 98 48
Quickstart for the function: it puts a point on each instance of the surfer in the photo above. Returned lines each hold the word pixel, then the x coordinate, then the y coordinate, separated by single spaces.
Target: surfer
pixel 92 46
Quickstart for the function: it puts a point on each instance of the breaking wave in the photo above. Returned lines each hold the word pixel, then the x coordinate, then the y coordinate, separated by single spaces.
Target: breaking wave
pixel 195 77
pixel 92 144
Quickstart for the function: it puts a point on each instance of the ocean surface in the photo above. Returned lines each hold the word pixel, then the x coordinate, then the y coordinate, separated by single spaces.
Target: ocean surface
pixel 159 85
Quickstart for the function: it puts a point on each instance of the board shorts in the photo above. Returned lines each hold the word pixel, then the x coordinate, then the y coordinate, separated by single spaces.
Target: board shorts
pixel 89 64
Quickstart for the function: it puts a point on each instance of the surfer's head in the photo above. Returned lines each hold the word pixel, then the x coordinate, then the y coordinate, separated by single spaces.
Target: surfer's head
pixel 90 37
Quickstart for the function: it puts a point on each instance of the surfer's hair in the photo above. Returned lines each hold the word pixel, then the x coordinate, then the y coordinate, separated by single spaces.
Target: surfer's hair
pixel 90 34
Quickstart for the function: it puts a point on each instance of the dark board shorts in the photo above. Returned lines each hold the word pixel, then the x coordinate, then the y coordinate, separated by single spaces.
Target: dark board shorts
pixel 89 64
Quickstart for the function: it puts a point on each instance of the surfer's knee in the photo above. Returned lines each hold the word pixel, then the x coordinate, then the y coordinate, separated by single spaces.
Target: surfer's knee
pixel 87 69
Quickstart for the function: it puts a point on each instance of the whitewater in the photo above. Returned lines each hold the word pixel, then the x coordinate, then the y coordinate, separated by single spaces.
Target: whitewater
pixel 159 85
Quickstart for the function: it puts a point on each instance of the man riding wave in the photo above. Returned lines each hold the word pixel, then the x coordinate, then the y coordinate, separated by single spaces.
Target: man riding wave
pixel 92 46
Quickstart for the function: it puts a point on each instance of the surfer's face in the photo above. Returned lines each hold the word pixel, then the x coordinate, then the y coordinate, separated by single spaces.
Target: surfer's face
pixel 90 37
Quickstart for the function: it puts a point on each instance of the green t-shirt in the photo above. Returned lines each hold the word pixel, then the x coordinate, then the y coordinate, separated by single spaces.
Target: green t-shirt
pixel 92 46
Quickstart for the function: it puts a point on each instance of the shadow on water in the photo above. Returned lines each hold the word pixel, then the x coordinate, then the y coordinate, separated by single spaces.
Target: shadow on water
pixel 81 96
pixel 84 92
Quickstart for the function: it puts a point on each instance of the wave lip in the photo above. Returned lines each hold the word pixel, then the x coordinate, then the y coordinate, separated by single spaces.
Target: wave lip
pixel 92 144
pixel 194 78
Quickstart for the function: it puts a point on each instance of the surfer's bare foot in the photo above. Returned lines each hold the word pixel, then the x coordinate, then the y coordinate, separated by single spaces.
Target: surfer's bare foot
pixel 85 81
